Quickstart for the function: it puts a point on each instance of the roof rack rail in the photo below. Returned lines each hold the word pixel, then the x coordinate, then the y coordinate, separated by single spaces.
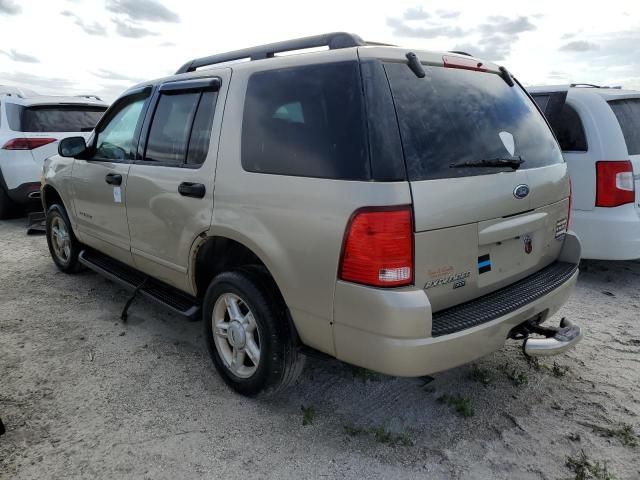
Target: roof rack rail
pixel 335 40
pixel 591 85
pixel 90 96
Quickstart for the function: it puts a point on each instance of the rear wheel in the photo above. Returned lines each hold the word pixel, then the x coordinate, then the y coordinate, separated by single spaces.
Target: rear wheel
pixel 8 209
pixel 248 335
pixel 63 245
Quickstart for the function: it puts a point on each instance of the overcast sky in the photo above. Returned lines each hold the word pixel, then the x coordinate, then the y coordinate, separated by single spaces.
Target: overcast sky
pixel 104 46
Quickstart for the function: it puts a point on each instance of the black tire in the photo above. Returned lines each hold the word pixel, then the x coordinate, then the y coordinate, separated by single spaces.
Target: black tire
pixel 67 263
pixel 8 208
pixel 280 363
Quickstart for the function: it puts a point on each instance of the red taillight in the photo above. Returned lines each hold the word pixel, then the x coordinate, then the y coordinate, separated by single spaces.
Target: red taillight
pixel 378 248
pixel 463 63
pixel 27 143
pixel 614 183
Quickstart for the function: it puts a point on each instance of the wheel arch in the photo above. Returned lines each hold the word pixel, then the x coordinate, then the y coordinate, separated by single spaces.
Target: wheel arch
pixel 219 253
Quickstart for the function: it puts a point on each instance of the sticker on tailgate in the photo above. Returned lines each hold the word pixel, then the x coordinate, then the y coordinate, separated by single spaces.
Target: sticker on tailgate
pixel 484 263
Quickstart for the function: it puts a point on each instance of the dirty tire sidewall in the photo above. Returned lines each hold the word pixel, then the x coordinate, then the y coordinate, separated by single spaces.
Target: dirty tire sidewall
pixel 278 355
pixel 72 264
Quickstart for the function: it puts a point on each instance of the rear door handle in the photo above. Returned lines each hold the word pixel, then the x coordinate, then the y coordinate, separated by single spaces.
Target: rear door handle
pixel 113 179
pixel 188 189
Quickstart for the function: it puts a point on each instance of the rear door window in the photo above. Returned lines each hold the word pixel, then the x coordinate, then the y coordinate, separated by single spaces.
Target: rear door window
pixel 181 128
pixel 628 114
pixel 58 118
pixel 306 121
pixel 453 116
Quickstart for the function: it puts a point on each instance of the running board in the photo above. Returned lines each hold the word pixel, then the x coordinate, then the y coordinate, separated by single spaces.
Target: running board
pixel 130 278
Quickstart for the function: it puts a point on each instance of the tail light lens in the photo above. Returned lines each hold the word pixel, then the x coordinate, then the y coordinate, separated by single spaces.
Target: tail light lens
pixel 378 248
pixel 27 143
pixel 614 184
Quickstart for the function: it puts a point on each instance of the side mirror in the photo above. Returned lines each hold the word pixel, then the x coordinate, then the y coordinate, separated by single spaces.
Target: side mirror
pixel 71 146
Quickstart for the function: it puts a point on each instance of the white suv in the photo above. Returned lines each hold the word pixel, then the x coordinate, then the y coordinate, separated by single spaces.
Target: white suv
pixel 599 131
pixel 30 127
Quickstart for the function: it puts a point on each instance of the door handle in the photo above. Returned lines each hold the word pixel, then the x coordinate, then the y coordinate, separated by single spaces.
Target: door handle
pixel 188 189
pixel 113 179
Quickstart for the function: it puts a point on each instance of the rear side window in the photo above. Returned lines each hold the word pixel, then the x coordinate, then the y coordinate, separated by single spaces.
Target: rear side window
pixel 181 128
pixel 628 114
pixel 569 130
pixel 455 116
pixel 58 118
pixel 542 101
pixel 306 121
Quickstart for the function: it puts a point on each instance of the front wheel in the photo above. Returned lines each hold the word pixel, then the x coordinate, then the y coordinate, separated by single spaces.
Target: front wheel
pixel 248 335
pixel 63 245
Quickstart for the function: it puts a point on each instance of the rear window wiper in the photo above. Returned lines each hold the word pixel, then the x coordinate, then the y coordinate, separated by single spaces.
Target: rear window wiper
pixel 493 162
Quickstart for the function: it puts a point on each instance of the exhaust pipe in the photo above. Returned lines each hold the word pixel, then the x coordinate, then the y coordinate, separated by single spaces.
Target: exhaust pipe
pixel 34 195
pixel 558 340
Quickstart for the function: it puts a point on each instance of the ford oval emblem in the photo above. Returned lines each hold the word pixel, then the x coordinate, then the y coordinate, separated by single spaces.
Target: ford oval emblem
pixel 521 191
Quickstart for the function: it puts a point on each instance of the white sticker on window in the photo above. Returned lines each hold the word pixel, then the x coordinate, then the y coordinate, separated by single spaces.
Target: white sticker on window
pixel 508 142
pixel 117 195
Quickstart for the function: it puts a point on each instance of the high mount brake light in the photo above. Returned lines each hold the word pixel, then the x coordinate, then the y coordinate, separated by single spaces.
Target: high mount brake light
pixel 378 248
pixel 614 183
pixel 464 63
pixel 27 143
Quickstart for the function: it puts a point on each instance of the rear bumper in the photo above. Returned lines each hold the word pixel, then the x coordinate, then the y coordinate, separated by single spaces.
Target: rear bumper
pixel 27 193
pixel 386 338
pixel 608 233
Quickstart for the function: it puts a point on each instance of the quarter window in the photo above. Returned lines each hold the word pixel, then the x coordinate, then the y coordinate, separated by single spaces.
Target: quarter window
pixel 306 121
pixel 569 130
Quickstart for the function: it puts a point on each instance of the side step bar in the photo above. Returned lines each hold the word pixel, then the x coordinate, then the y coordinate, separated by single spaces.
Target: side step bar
pixel 130 278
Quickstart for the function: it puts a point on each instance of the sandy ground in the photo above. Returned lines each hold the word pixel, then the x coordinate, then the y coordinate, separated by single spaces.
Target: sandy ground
pixel 84 396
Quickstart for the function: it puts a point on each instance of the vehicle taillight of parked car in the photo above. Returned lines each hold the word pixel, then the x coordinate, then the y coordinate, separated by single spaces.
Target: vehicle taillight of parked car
pixel 27 143
pixel 378 248
pixel 614 183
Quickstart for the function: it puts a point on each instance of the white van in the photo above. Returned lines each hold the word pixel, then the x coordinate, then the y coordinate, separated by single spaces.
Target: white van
pixel 598 129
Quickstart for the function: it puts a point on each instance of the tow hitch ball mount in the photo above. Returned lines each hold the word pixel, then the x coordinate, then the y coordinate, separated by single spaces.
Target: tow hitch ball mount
pixel 555 339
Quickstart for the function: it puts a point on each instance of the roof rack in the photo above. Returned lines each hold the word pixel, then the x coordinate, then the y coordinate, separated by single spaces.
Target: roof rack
pixel 16 91
pixel 591 85
pixel 90 97
pixel 335 40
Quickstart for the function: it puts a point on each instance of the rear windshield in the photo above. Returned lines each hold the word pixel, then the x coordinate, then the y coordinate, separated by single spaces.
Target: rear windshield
pixel 453 116
pixel 628 115
pixel 58 118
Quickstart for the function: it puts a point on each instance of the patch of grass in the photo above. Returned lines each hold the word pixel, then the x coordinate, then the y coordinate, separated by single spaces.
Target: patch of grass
pixel 587 469
pixel 624 433
pixel 308 414
pixel 461 405
pixel 480 375
pixel 517 377
pixel 354 431
pixel 365 374
pixel 559 370
pixel 574 437
pixel 380 435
